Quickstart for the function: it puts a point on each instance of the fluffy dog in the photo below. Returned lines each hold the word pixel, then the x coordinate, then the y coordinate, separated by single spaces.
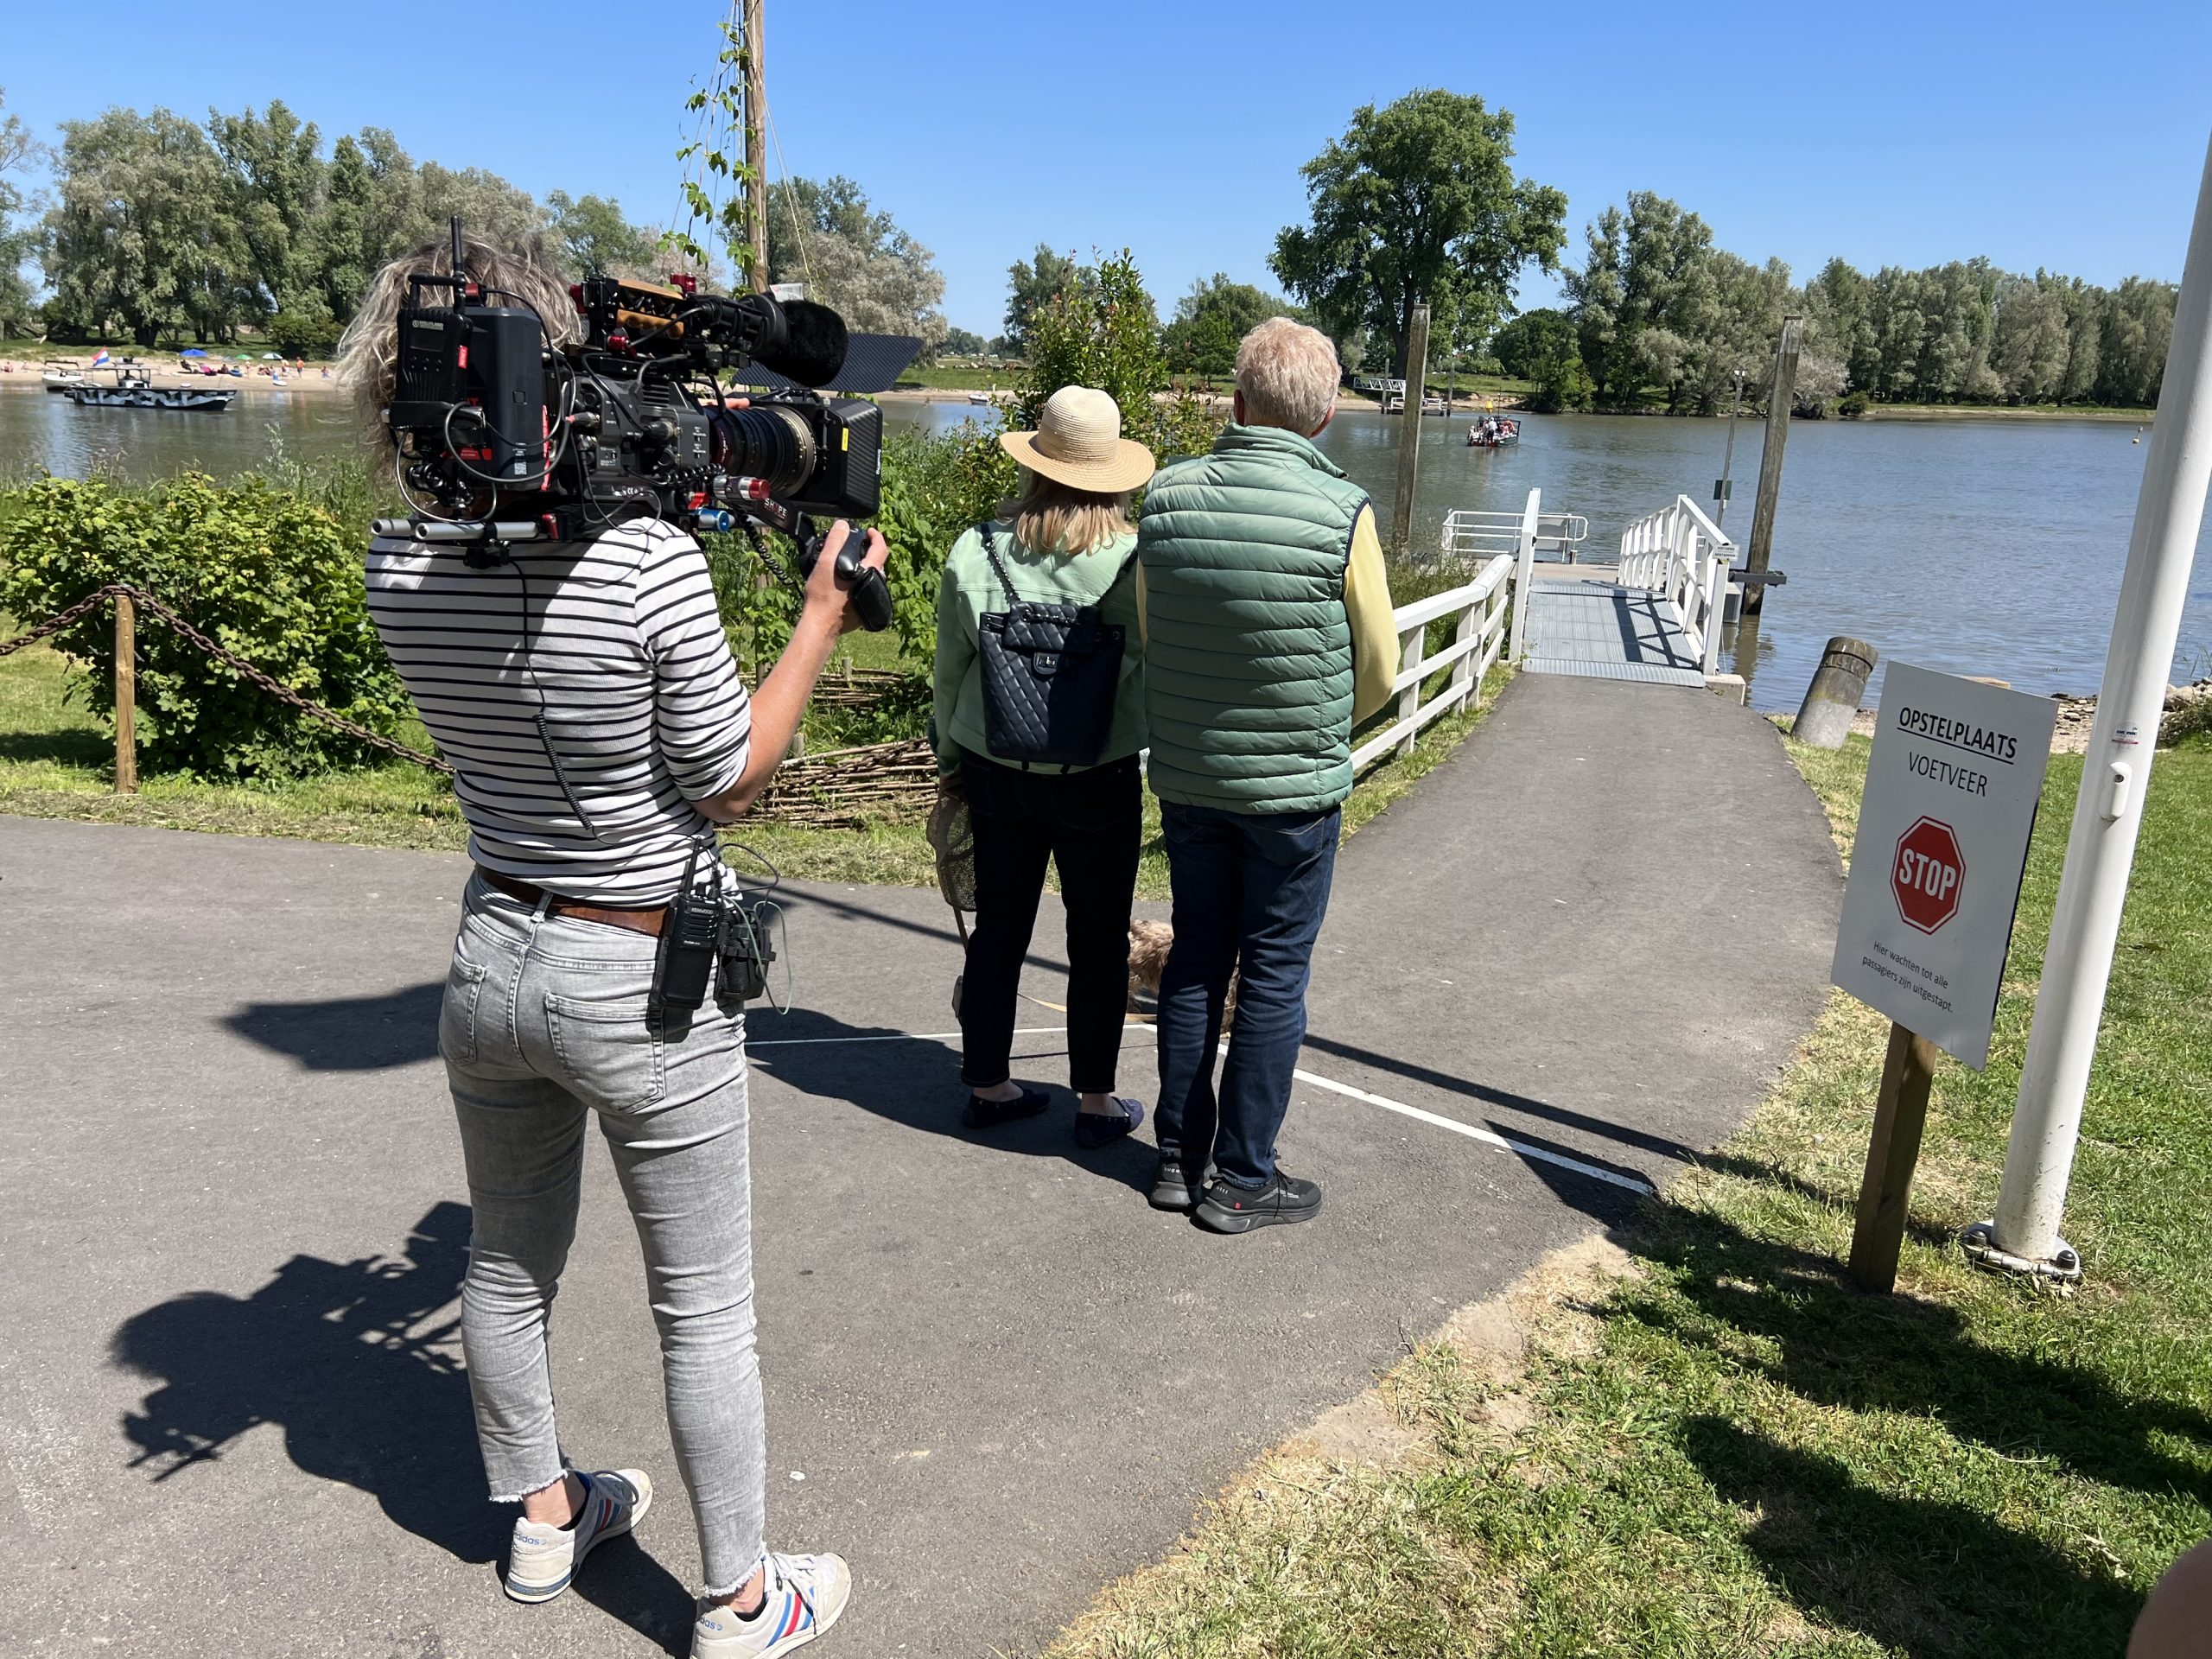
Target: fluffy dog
pixel 1148 945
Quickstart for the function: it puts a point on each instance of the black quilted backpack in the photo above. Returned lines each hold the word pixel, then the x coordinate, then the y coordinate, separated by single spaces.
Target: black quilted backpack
pixel 1050 673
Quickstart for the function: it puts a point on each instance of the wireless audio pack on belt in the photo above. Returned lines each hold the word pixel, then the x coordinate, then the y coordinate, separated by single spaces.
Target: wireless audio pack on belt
pixel 504 437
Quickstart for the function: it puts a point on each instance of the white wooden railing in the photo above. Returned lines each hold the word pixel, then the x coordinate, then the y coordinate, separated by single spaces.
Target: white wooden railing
pixel 1474 533
pixel 1681 554
pixel 1478 640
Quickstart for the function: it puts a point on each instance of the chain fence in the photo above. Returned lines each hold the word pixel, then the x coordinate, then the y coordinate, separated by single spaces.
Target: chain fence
pixel 894 783
pixel 139 596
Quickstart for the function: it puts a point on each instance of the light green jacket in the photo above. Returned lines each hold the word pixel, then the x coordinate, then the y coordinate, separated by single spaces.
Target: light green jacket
pixel 969 589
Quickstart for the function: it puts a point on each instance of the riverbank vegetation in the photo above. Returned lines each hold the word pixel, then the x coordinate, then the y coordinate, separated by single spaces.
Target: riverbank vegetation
pixel 1712 1445
pixel 1658 315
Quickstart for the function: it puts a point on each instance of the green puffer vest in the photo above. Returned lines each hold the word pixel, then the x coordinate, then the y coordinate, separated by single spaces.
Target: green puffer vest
pixel 1247 648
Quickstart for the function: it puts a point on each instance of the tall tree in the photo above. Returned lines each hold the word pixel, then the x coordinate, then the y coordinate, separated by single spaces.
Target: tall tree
pixel 1211 321
pixel 856 257
pixel 19 152
pixel 1418 202
pixel 2137 327
pixel 1034 284
pixel 277 179
pixel 488 206
pixel 590 238
pixel 138 236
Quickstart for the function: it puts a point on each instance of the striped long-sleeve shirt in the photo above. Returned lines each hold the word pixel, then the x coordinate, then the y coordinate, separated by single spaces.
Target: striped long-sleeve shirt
pixel 585 694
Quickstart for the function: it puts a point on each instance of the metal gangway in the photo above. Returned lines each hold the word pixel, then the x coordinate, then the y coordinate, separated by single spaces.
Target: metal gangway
pixel 1655 618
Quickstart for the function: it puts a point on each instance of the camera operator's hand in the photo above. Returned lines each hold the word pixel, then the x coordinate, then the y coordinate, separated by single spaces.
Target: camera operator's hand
pixel 822 587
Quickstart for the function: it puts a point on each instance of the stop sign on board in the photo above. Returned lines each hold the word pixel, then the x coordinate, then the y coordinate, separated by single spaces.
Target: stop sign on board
pixel 1953 781
pixel 1928 874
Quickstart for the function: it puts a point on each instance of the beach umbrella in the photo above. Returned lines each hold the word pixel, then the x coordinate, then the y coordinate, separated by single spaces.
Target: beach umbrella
pixel 272 357
pixel 192 351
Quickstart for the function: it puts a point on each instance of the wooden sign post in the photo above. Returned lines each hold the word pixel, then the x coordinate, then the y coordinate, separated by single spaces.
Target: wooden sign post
pixel 1943 829
pixel 1900 1114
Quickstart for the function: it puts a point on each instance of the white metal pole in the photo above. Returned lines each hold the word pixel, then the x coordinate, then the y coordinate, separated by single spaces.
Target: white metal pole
pixel 2116 774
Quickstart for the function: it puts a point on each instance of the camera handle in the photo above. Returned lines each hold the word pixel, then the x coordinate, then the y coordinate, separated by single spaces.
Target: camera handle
pixel 869 593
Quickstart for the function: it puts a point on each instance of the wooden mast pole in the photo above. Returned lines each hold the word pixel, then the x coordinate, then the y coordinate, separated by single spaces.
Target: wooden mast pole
pixel 756 150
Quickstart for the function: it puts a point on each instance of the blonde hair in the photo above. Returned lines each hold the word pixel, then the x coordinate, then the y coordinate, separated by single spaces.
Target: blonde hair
pixel 1288 375
pixel 370 346
pixel 1050 516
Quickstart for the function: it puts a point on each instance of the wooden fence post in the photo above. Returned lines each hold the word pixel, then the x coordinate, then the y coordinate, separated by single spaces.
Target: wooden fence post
pixel 126 696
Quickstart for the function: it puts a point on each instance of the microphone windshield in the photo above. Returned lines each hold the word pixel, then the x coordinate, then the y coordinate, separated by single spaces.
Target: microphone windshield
pixel 813 348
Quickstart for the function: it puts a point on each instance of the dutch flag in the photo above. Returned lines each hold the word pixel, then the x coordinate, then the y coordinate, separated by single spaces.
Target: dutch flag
pixel 101 361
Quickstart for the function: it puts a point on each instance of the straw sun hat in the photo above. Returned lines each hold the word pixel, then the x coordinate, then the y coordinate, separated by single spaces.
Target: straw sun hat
pixel 1079 442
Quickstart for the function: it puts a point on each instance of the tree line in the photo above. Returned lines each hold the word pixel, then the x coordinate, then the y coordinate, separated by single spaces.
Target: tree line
pixel 1656 312
pixel 157 227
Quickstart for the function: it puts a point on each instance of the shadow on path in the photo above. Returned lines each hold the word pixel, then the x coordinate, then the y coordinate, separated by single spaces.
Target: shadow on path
pixel 349 1034
pixel 1509 1101
pixel 916 1085
pixel 359 1362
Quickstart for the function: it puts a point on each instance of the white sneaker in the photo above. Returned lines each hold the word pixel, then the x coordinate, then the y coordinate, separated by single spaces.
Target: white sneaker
pixel 805 1593
pixel 544 1558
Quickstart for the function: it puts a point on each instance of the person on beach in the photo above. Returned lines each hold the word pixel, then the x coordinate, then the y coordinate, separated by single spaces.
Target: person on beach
pixel 1269 635
pixel 585 694
pixel 1066 539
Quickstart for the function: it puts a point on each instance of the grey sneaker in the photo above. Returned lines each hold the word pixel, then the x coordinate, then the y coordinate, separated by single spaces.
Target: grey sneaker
pixel 544 1558
pixel 804 1595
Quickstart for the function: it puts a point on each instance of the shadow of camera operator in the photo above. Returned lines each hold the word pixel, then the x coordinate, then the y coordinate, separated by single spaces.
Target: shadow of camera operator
pixel 917 1085
pixel 359 1363
pixel 348 1033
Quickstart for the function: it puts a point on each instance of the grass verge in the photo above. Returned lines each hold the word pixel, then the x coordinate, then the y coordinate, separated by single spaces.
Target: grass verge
pixel 56 761
pixel 1720 1449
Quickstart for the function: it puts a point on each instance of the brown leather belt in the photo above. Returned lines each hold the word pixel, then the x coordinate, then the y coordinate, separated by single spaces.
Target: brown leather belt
pixel 638 921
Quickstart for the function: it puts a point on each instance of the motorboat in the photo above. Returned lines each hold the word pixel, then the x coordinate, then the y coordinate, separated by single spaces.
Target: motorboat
pixel 133 390
pixel 1493 432
pixel 59 376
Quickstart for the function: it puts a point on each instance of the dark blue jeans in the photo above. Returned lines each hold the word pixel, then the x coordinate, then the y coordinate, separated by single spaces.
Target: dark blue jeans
pixel 1250 890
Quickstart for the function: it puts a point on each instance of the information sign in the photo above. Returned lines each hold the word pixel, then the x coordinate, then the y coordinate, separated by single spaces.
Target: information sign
pixel 1951 792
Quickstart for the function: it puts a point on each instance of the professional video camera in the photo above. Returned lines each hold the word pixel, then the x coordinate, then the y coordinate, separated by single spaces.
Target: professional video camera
pixel 504 438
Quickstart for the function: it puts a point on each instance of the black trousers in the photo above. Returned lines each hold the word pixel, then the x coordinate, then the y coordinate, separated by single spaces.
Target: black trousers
pixel 1089 825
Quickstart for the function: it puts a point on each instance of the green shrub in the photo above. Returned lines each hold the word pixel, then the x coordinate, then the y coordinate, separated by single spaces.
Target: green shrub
pixel 1854 406
pixel 265 573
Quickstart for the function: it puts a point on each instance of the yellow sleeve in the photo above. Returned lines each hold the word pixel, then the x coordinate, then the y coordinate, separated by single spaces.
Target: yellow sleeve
pixel 1373 630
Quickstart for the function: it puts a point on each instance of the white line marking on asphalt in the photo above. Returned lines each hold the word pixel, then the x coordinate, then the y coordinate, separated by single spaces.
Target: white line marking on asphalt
pixel 897 1037
pixel 1487 1137
pixel 1520 1149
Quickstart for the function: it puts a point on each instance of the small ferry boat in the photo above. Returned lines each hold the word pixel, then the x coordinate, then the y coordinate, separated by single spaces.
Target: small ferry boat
pixel 59 376
pixel 132 390
pixel 1493 432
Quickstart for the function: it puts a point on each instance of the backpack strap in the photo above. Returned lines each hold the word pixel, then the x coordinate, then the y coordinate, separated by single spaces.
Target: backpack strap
pixel 998 566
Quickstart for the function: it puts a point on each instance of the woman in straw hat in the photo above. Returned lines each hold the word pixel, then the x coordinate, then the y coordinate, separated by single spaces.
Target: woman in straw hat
pixel 1064 539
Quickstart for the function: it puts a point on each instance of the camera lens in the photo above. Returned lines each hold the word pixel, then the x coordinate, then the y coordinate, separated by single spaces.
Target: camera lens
pixel 771 443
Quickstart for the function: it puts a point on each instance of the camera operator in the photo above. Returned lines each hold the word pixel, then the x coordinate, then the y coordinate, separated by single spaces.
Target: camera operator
pixel 585 693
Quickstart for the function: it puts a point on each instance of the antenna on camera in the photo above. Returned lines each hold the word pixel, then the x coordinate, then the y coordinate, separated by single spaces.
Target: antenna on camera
pixel 459 259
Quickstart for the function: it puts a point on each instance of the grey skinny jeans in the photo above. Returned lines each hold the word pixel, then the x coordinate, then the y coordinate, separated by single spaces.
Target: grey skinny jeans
pixel 544 1023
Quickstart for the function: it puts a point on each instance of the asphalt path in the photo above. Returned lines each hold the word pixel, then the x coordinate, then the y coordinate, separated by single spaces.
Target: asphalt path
pixel 232 1407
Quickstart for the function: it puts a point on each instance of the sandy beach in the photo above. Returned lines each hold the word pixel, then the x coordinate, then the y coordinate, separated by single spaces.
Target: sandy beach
pixel 164 369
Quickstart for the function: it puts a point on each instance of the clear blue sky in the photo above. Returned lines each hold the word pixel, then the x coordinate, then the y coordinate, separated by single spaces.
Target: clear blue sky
pixel 2068 136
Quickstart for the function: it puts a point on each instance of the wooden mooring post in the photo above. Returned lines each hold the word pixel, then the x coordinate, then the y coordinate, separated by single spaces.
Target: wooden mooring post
pixel 126 696
pixel 1401 513
pixel 1781 394
pixel 1900 1114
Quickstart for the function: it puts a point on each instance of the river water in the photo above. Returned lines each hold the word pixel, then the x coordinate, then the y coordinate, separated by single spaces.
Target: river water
pixel 1987 547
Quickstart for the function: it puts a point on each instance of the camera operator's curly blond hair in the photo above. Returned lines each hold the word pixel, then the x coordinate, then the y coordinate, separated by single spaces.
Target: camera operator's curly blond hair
pixel 371 346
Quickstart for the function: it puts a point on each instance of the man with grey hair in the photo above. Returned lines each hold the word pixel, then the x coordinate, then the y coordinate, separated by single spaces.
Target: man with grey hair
pixel 1269 636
